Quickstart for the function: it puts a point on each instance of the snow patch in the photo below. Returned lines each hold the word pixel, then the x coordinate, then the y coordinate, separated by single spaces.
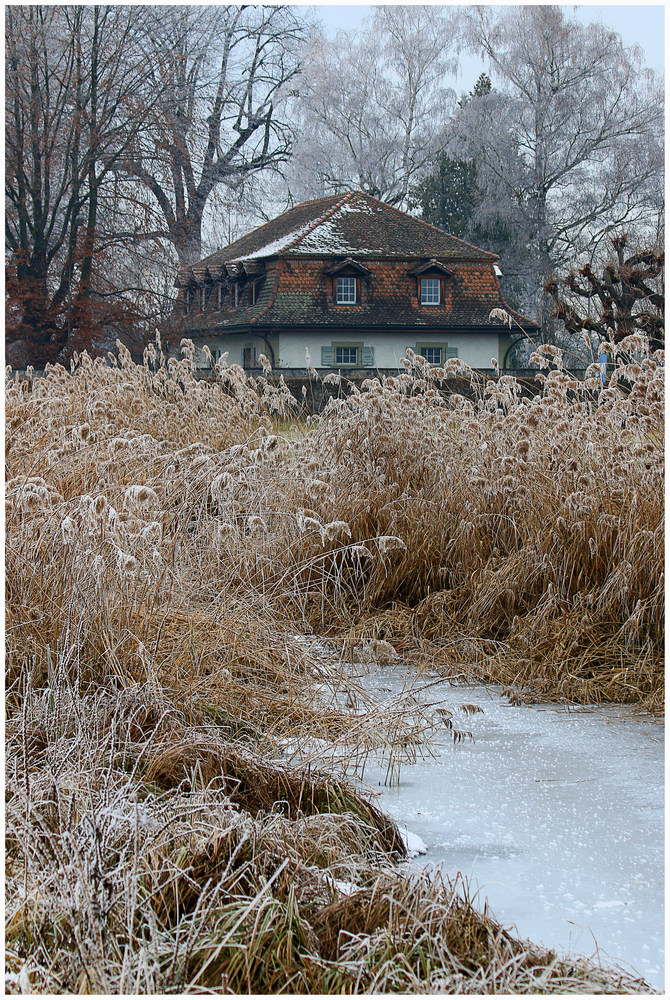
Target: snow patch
pixel 346 888
pixel 326 238
pixel 413 843
pixel 361 207
pixel 280 244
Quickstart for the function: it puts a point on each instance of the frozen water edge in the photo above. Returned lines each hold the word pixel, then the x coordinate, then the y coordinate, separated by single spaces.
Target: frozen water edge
pixel 554 816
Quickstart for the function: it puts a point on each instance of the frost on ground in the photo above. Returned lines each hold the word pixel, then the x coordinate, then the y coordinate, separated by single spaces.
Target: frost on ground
pixel 178 817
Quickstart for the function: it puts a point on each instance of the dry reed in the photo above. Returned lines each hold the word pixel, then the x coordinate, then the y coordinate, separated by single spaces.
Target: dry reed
pixel 170 540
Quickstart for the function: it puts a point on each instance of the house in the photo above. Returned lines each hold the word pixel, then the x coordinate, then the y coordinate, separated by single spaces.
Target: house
pixel 345 283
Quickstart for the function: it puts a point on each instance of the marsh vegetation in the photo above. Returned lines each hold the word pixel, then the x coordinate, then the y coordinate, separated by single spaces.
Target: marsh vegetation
pixel 169 538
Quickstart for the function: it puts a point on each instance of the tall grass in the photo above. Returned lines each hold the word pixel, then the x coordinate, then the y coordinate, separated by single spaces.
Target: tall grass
pixel 169 540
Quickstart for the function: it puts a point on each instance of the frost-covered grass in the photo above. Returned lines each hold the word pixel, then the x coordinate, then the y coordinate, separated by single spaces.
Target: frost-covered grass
pixel 167 539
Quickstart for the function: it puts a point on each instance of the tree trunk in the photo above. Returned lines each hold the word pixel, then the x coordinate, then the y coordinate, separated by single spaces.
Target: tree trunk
pixel 187 239
pixel 36 326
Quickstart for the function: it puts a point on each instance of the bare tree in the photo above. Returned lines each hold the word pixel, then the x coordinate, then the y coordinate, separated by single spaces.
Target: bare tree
pixel 625 295
pixel 573 133
pixel 373 106
pixel 73 74
pixel 224 74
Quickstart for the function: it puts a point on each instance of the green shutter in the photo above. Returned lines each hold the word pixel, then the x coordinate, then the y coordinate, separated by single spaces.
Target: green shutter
pixel 368 356
pixel 327 357
pixel 450 352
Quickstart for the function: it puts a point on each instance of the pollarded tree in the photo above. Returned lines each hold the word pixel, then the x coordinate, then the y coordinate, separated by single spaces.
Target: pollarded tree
pixel 625 295
pixel 225 75
pixel 572 132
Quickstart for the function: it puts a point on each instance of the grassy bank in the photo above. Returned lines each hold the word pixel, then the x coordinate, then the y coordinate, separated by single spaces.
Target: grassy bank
pixel 168 538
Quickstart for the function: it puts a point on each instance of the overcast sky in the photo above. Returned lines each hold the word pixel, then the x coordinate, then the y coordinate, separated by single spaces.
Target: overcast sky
pixel 640 24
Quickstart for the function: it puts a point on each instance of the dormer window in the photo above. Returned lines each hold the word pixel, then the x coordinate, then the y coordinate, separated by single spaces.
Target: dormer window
pixel 346 291
pixel 253 293
pixel 430 291
pixel 189 299
pixel 432 283
pixel 346 276
pixel 203 298
pixel 219 295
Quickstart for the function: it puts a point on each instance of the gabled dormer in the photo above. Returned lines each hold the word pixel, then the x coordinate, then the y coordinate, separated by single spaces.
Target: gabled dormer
pixel 432 279
pixel 346 277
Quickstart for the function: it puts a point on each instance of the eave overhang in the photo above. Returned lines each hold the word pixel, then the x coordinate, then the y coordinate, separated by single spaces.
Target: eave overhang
pixel 348 262
pixel 428 266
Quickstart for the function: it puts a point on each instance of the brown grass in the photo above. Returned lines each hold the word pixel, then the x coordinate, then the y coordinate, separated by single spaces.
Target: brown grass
pixel 167 542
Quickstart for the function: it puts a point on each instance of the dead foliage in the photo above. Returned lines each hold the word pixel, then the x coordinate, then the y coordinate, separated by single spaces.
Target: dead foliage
pixel 177 815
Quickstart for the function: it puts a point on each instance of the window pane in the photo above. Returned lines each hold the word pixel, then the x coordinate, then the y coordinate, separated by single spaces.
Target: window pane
pixel 430 291
pixel 346 355
pixel 433 355
pixel 346 290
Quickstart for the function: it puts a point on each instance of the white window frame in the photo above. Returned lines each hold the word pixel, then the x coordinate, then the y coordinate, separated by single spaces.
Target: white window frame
pixel 203 298
pixel 219 295
pixel 253 293
pixel 424 354
pixel 236 296
pixel 342 298
pixel 424 288
pixel 189 299
pixel 340 361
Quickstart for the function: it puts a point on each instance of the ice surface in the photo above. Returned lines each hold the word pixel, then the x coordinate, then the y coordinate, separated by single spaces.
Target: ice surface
pixel 555 816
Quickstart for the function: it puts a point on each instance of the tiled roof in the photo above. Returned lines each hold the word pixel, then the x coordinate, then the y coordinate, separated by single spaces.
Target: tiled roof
pixel 353 223
pixel 295 253
pixel 472 292
pixel 300 295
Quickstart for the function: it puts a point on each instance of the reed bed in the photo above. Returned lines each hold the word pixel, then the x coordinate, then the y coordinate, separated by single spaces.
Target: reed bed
pixel 174 546
pixel 146 856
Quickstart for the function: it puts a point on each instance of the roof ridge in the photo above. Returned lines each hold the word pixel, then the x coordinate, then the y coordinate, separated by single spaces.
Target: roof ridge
pixel 429 225
pixel 270 222
pixel 319 221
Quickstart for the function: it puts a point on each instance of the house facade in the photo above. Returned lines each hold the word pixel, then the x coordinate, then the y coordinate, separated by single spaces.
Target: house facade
pixel 345 283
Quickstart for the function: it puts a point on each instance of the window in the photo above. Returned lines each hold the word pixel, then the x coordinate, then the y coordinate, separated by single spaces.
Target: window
pixel 253 293
pixel 430 291
pixel 203 299
pixel 433 355
pixel 219 295
pixel 346 355
pixel 436 354
pixel 189 299
pixel 236 295
pixel 346 291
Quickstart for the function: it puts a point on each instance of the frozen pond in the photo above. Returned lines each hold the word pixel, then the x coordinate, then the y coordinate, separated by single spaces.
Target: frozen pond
pixel 555 816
